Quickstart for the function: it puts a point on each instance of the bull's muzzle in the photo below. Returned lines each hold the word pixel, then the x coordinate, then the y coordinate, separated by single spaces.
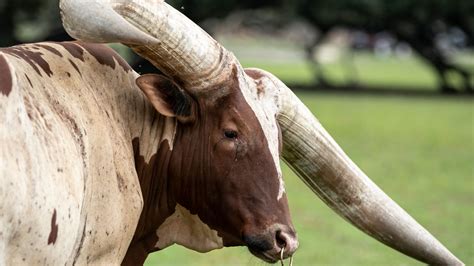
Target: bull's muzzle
pixel 278 242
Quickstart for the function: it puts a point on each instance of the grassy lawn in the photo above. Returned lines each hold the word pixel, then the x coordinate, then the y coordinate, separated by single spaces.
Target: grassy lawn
pixel 372 71
pixel 419 151
pixel 291 72
pixel 287 61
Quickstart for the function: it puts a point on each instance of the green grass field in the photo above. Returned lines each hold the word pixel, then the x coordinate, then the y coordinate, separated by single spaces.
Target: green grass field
pixel 419 151
pixel 370 71
pixel 287 61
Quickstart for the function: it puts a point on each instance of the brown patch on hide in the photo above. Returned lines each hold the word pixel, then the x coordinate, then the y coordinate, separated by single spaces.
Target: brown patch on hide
pixel 157 204
pixel 256 76
pixel 260 88
pixel 75 67
pixel 29 108
pixel 53 235
pixel 49 48
pixel 28 79
pixel 105 55
pixel 6 82
pixel 253 73
pixel 120 182
pixel 74 49
pixel 76 130
pixel 33 58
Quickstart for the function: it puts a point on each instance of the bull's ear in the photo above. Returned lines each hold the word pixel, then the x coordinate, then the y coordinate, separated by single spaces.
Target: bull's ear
pixel 167 98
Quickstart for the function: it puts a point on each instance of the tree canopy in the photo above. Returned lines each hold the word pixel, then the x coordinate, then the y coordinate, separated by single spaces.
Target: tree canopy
pixel 418 23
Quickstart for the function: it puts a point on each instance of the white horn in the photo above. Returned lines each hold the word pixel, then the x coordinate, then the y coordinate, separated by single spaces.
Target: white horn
pixel 96 21
pixel 317 159
pixel 156 31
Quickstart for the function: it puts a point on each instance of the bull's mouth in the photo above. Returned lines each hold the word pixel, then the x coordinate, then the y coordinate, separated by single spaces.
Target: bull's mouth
pixel 268 251
pixel 265 255
pixel 261 247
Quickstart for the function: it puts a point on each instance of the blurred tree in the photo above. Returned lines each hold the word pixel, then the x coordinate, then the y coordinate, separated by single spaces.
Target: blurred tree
pixel 199 10
pixel 420 23
pixel 11 12
pixel 29 21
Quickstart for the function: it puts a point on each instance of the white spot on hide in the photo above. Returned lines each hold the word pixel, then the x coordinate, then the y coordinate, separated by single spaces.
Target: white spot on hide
pixel 186 229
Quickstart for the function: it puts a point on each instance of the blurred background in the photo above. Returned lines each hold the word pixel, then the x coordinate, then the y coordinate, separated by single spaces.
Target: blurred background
pixel 392 81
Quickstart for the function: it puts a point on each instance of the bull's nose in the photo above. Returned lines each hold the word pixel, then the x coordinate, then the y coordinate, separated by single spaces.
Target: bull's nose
pixel 286 241
pixel 276 242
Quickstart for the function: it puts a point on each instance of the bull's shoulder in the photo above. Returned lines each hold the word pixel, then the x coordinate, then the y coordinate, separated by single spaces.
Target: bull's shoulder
pixel 40 56
pixel 101 53
pixel 59 65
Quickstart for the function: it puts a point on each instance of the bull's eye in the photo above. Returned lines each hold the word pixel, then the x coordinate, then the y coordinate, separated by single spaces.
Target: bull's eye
pixel 230 134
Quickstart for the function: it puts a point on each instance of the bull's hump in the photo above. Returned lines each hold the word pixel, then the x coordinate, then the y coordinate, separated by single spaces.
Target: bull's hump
pixel 38 56
pixel 32 55
pixel 102 54
pixel 6 82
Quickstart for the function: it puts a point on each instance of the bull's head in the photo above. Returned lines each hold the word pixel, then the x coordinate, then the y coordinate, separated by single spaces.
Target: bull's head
pixel 238 115
pixel 224 162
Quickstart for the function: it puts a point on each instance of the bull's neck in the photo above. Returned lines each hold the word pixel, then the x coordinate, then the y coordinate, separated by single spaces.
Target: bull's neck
pixel 150 127
pixel 164 150
pixel 152 141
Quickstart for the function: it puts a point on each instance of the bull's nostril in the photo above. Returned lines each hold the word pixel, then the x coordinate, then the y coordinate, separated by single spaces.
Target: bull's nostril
pixel 274 245
pixel 286 243
pixel 281 239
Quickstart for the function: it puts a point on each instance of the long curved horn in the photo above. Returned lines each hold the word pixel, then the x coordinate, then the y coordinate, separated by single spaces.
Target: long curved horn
pixel 156 31
pixel 317 159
